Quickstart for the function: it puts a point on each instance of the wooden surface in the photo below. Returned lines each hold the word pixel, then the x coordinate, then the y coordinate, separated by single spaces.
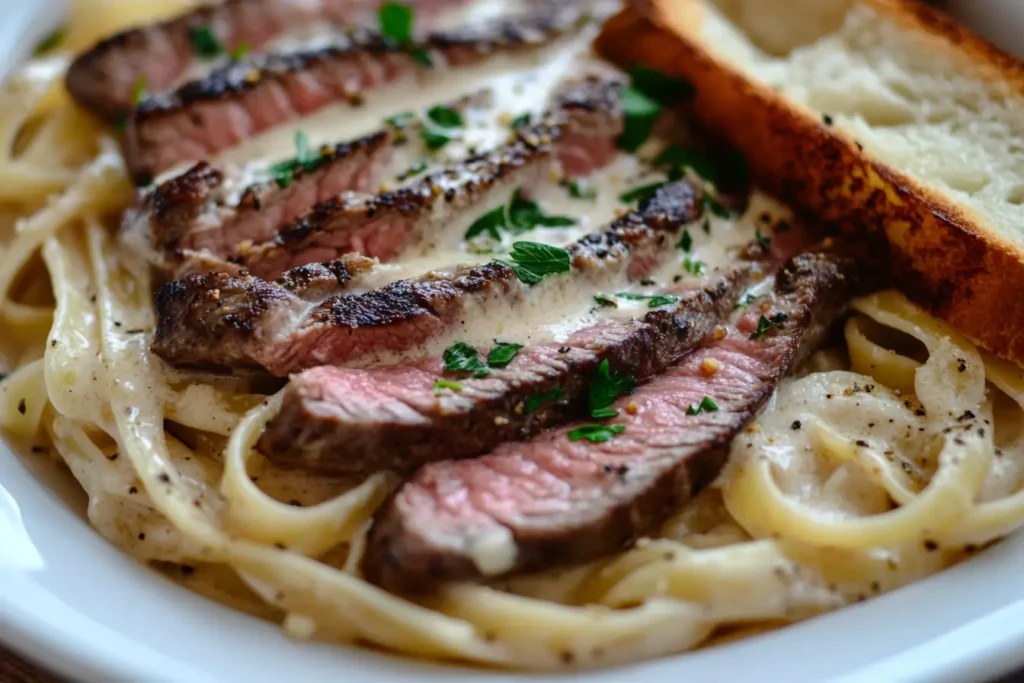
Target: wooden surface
pixel 16 670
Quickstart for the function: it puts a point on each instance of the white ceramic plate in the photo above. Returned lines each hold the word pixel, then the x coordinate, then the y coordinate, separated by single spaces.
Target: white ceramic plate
pixel 75 605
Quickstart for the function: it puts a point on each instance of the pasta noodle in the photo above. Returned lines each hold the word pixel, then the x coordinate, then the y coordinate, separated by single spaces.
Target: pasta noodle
pixel 881 464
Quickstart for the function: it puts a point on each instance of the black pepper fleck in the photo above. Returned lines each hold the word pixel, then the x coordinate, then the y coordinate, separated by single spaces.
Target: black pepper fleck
pixel 21 406
pixel 930 545
pixel 795 425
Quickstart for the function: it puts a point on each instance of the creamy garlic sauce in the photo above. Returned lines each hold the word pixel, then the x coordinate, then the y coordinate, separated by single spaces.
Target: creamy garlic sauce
pixel 503 73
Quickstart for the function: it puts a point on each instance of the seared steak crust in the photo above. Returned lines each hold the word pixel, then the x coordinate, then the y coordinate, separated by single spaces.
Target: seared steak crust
pixel 580 132
pixel 190 221
pixel 235 102
pixel 161 54
pixel 550 501
pixel 401 315
pixel 226 315
pixel 338 420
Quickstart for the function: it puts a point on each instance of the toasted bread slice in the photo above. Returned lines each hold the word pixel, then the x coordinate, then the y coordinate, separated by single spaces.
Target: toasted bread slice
pixel 874 115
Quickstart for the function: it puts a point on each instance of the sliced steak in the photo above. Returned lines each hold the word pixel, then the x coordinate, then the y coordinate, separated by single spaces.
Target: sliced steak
pixel 205 214
pixel 163 54
pixel 579 135
pixel 240 100
pixel 337 420
pixel 553 500
pixel 222 314
pixel 284 333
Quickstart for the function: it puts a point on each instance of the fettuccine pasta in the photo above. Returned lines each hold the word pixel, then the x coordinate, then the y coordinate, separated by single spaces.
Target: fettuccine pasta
pixel 884 462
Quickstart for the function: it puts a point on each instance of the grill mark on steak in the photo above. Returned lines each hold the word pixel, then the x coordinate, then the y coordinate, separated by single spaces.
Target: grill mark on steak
pixel 532 505
pixel 336 420
pixel 235 102
pixel 201 217
pixel 161 54
pixel 286 334
pixel 224 316
pixel 579 133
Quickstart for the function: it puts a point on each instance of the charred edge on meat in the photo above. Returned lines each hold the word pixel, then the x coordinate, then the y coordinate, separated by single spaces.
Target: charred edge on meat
pixel 812 289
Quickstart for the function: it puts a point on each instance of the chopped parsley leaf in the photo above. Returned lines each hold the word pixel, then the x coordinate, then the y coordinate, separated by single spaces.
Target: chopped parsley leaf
pixel 400 120
pixel 462 357
pixel 607 386
pixel 305 158
pixel 762 239
pixel 525 215
pixel 685 241
pixel 693 266
pixel 579 190
pixel 445 117
pixel 603 300
pixel 714 206
pixel 678 157
pixel 533 261
pixel 639 114
pixel 490 223
pixel 662 300
pixel 139 90
pixel 537 400
pixel 441 384
pixel 520 121
pixel 240 52
pixel 417 168
pixel 745 301
pixel 638 193
pixel 653 300
pixel 51 41
pixel 765 325
pixel 502 354
pixel 396 21
pixel 658 85
pixel 604 413
pixel 435 140
pixel 421 57
pixel 706 405
pixel 204 41
pixel 596 433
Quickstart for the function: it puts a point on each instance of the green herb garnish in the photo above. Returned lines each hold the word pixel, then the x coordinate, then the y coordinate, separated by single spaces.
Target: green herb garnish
pixel 762 239
pixel 685 242
pixel 596 433
pixel 537 400
pixel 435 140
pixel 51 41
pixel 204 41
pixel 603 300
pixel 765 325
pixel 678 157
pixel 445 117
pixel 502 354
pixel 396 21
pixel 714 206
pixel 490 223
pixel 533 261
pixel 604 413
pixel 462 357
pixel 693 266
pixel 417 168
pixel 520 121
pixel 660 86
pixel 706 405
pixel 578 190
pixel 662 300
pixel 607 386
pixel 303 153
pixel 139 90
pixel 305 158
pixel 400 120
pixel 745 301
pixel 525 215
pixel 240 52
pixel 638 193
pixel 639 114
pixel 441 384
pixel 396 24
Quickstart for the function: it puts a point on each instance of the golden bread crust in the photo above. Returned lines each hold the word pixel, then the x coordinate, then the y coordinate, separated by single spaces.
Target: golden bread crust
pixel 943 256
